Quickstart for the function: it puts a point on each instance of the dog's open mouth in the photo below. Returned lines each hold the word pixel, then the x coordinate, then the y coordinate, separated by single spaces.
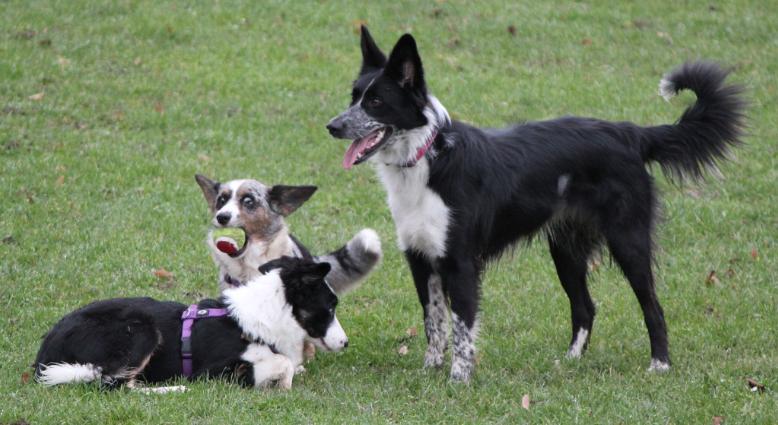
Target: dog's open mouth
pixel 230 240
pixel 363 148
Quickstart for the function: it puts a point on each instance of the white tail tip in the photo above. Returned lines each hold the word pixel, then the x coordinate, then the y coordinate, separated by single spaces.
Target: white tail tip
pixel 667 89
pixel 66 373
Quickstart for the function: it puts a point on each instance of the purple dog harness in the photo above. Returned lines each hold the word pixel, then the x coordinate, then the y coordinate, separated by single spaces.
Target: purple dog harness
pixel 189 315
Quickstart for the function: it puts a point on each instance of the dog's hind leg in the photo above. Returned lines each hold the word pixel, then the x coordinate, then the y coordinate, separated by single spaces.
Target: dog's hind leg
pixel 631 248
pixel 570 249
pixel 433 302
pixel 460 281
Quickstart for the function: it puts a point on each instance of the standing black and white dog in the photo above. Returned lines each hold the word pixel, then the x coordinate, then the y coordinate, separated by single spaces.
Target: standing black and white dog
pixel 460 195
pixel 257 338
pixel 257 212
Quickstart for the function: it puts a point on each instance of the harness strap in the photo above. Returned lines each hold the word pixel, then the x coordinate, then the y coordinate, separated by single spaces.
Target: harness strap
pixel 188 317
pixel 421 151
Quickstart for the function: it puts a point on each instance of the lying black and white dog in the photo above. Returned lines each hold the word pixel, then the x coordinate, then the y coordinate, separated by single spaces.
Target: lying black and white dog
pixel 460 195
pixel 253 333
pixel 257 213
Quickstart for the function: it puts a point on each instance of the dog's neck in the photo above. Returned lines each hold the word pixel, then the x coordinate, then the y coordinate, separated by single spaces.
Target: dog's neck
pixel 261 310
pixel 410 147
pixel 237 271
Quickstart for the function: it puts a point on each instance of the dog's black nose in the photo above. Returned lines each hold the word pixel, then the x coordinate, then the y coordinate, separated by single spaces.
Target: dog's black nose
pixel 334 128
pixel 223 218
pixel 345 344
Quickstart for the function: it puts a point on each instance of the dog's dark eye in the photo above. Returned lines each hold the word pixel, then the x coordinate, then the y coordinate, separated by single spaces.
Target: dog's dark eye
pixel 220 201
pixel 247 201
pixel 375 102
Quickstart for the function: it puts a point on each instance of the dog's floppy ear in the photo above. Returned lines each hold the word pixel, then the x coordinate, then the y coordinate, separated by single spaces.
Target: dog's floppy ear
pixel 285 200
pixel 404 65
pixel 372 56
pixel 210 188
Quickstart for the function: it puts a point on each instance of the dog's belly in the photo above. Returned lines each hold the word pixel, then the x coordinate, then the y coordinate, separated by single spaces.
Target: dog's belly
pixel 421 218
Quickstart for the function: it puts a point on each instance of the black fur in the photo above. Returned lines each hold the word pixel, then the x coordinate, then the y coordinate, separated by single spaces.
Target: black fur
pixel 118 335
pixel 581 181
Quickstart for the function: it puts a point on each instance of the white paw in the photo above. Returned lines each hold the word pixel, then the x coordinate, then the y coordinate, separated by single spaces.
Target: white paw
pixel 658 366
pixel 299 369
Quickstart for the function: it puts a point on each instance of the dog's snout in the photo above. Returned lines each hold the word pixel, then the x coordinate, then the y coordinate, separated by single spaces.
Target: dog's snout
pixel 334 128
pixel 345 344
pixel 223 218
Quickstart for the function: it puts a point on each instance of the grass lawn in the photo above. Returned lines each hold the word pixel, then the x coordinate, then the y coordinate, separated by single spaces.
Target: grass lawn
pixel 108 109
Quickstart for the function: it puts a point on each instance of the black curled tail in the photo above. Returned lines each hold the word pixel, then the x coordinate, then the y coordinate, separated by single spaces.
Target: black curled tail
pixel 707 129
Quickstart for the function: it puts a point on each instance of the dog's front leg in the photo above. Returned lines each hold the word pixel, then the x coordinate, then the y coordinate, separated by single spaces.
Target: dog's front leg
pixel 430 291
pixel 274 368
pixel 270 367
pixel 461 278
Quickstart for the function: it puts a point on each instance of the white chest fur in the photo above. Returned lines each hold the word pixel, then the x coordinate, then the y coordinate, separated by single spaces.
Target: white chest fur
pixel 420 215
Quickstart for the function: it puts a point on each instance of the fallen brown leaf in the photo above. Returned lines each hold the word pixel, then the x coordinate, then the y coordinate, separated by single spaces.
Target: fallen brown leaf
pixel 718 420
pixel 412 332
pixel 159 107
pixel 163 274
pixel 203 157
pixel 25 377
pixel 586 41
pixel 61 180
pixel 403 350
pixel 37 96
pixel 712 279
pixel 755 386
pixel 137 61
pixel 525 401
pixel 664 36
pixel 512 30
pixel 754 253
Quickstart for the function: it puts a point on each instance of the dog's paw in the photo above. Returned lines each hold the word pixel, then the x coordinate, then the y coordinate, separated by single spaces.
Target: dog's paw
pixel 659 366
pixel 461 372
pixel 309 351
pixel 433 359
pixel 299 369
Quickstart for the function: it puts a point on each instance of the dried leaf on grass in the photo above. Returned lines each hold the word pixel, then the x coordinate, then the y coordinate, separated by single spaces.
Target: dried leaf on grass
pixel 755 386
pixel 525 401
pixel 37 96
pixel 712 279
pixel 403 350
pixel 161 273
pixel 718 420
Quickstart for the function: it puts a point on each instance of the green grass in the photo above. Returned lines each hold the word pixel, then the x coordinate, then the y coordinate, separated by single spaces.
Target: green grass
pixel 97 191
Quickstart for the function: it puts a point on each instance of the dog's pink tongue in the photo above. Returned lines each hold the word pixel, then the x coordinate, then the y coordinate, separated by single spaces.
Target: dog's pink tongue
pixel 227 247
pixel 353 151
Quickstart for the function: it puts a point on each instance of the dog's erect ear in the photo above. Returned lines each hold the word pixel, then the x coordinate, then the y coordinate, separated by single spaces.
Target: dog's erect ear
pixel 274 264
pixel 372 57
pixel 210 188
pixel 285 200
pixel 404 65
pixel 316 273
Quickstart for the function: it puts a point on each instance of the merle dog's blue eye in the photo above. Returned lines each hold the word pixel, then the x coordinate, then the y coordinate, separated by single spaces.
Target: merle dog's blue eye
pixel 247 201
